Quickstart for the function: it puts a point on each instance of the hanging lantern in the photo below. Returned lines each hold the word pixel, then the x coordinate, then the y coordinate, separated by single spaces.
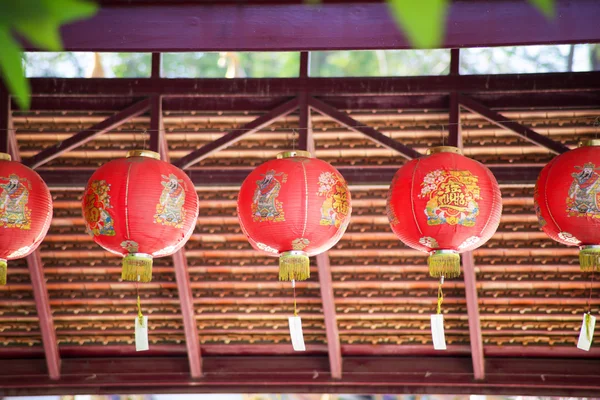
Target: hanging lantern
pixel 567 202
pixel 25 211
pixel 140 207
pixel 294 207
pixel 444 204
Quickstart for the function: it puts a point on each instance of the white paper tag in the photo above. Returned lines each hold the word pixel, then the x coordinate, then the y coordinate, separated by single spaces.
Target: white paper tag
pixel 437 332
pixel 585 337
pixel 296 333
pixel 141 334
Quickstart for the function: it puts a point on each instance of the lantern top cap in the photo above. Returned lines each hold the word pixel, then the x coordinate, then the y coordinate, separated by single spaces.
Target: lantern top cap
pixel 143 153
pixel 5 157
pixel 444 149
pixel 295 153
pixel 589 143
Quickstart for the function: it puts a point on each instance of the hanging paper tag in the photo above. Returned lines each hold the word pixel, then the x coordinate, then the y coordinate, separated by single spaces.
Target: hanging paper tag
pixel 296 333
pixel 141 334
pixel 437 332
pixel 587 332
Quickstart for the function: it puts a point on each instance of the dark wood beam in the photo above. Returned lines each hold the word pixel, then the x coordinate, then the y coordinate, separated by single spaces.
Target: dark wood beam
pixel 156 66
pixel 5 119
pixel 86 135
pixel 352 124
pixel 41 297
pixel 428 375
pixel 214 177
pixel 438 101
pixel 257 87
pixel 192 340
pixel 331 327
pixel 157 128
pixel 237 134
pixel 473 313
pixel 503 122
pixel 454 128
pixel 297 27
pixel 455 62
pixel 44 313
pixel 158 143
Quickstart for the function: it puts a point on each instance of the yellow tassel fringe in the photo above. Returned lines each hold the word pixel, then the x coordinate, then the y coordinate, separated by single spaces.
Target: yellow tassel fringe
pixel 446 264
pixel 294 266
pixel 3 268
pixel 137 268
pixel 589 259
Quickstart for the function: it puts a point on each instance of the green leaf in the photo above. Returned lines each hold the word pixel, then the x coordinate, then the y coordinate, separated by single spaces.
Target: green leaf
pixel 65 11
pixel 43 34
pixel 546 7
pixel 423 21
pixel 11 68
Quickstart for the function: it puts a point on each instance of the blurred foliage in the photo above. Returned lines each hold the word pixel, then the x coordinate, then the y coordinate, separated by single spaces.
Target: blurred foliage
pixel 38 21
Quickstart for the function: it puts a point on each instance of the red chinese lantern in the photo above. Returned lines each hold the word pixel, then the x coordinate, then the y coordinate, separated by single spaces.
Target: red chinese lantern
pixel 25 211
pixel 444 204
pixel 292 208
pixel 567 202
pixel 140 207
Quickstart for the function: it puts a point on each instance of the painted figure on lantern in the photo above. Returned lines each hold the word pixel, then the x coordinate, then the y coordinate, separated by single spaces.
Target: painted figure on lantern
pixel 169 210
pixel 335 206
pixel 96 204
pixel 453 197
pixel 14 212
pixel 265 206
pixel 584 193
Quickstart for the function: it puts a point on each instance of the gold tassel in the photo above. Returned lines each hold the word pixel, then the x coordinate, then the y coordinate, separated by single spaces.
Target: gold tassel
pixel 3 271
pixel 444 263
pixel 137 268
pixel 294 265
pixel 589 258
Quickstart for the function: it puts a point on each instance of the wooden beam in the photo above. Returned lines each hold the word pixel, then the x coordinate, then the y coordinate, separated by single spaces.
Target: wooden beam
pixel 44 313
pixel 455 62
pixel 192 340
pixel 306 140
pixel 302 374
pixel 331 328
pixel 352 124
pixel 86 135
pixel 156 68
pixel 473 313
pixel 454 128
pixel 158 143
pixel 571 82
pixel 157 128
pixel 237 134
pixel 238 26
pixel 5 119
pixel 503 122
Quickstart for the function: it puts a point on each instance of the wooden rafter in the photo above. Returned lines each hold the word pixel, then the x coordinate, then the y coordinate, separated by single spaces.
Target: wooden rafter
pixel 331 328
pixel 86 135
pixel 503 122
pixel 237 134
pixel 158 143
pixel 38 281
pixel 473 313
pixel 352 124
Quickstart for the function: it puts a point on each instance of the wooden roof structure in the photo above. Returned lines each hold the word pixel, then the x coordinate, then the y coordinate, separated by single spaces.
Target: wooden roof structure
pixel 218 315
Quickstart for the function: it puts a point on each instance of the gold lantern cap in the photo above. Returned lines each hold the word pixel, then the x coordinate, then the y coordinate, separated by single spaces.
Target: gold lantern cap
pixel 5 157
pixel 444 149
pixel 143 153
pixel 589 143
pixel 294 153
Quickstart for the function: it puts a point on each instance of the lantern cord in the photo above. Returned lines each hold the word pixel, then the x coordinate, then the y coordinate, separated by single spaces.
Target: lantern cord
pixel 443 136
pixel 440 299
pixel 589 302
pixel 294 289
